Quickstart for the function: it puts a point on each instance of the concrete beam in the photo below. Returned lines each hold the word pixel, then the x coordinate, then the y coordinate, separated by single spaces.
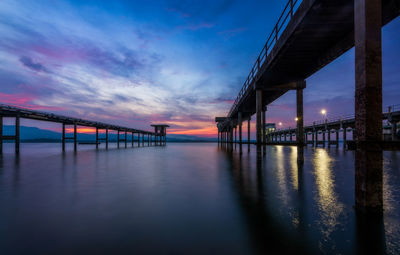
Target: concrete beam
pixel 286 86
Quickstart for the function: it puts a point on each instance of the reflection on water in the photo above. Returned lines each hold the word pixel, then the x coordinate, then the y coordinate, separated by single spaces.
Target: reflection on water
pixel 328 203
pixel 327 199
pixel 281 172
pixel 191 199
pixel 294 167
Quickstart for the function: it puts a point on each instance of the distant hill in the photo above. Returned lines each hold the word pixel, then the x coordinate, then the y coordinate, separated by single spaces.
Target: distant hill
pixel 34 134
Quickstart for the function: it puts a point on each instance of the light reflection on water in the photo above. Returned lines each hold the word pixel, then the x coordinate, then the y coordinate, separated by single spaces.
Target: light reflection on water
pixel 326 197
pixel 190 199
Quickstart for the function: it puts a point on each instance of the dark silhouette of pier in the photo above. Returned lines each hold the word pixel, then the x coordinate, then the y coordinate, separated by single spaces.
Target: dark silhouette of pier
pixel 158 137
pixel 309 35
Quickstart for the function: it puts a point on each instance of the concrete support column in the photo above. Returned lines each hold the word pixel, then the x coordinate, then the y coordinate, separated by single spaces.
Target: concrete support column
pixel 126 139
pixel 106 138
pixel 248 131
pixel 75 138
pixel 17 134
pixel 368 105
pixel 394 130
pixel 118 139
pixel 235 135
pixel 97 137
pixel 300 118
pixel 344 137
pixel 323 137
pixel 313 136
pixel 63 137
pixel 264 137
pixel 240 127
pixel 329 137
pixel 1 134
pixel 258 116
pixel 337 138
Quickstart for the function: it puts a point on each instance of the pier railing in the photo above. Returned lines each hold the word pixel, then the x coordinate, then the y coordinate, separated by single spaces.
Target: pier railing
pixel 338 118
pixel 288 12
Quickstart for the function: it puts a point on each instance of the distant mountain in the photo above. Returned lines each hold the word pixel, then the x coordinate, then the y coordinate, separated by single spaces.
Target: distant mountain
pixel 34 134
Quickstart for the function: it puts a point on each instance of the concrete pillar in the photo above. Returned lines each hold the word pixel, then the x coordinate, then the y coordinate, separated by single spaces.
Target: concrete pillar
pixel 17 135
pixel 75 138
pixel 240 127
pixel 337 138
pixel 323 137
pixel 63 137
pixel 258 116
pixel 368 105
pixel 235 135
pixel 264 138
pixel 394 130
pixel 248 130
pixel 106 138
pixel 118 139
pixel 126 139
pixel 344 137
pixel 329 137
pixel 313 136
pixel 300 117
pixel 97 137
pixel 1 134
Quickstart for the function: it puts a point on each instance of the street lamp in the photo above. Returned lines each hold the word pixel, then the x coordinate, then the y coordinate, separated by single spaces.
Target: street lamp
pixel 296 119
pixel 323 112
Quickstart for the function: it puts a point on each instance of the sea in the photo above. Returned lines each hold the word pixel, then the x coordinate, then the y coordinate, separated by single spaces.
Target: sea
pixel 190 198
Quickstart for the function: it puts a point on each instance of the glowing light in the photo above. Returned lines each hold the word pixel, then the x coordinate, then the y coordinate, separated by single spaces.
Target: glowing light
pixel 280 123
pixel 296 119
pixel 323 112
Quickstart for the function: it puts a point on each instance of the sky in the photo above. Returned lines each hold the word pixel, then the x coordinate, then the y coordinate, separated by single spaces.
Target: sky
pixel 176 62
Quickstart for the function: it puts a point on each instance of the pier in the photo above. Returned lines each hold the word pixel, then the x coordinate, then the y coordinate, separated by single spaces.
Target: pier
pixel 309 35
pixel 158 137
pixel 333 127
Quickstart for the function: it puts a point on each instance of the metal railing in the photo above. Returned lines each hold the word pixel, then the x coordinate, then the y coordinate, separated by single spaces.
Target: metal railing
pixel 331 119
pixel 339 118
pixel 283 20
pixel 46 116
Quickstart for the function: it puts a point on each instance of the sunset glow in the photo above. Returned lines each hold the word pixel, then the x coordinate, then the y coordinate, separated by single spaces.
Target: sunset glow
pixel 160 62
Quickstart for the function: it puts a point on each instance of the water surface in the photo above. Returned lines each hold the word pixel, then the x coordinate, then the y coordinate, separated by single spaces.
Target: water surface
pixel 189 199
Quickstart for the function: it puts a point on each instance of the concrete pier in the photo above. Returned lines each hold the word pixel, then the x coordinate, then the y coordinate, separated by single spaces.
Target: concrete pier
pixel 22 113
pixel 304 43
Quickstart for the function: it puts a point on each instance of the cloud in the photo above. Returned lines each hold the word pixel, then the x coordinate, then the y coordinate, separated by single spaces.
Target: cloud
pixel 28 62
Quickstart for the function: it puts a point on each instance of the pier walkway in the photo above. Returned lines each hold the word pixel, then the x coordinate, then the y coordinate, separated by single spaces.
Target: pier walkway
pixel 335 126
pixel 309 35
pixel 157 137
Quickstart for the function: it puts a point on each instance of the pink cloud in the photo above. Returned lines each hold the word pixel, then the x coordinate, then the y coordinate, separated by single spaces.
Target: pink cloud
pixel 25 101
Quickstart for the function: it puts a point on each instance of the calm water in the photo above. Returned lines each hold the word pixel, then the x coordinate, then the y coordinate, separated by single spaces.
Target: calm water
pixel 189 199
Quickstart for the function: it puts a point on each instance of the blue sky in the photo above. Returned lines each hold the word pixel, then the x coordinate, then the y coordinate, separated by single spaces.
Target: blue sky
pixel 140 62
